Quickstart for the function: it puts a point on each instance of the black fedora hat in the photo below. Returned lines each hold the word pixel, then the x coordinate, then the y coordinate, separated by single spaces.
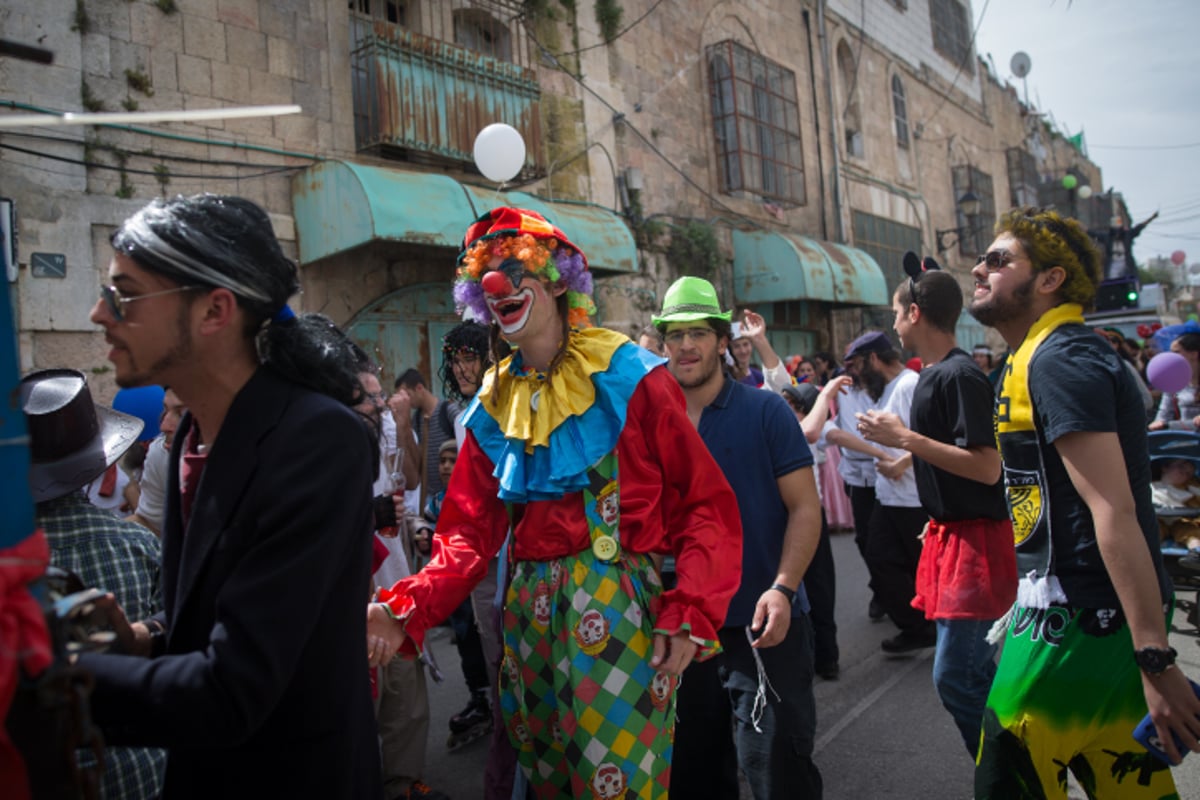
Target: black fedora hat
pixel 71 439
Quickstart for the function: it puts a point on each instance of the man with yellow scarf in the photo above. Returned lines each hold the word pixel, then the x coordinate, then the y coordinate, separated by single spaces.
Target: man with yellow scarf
pixel 1085 652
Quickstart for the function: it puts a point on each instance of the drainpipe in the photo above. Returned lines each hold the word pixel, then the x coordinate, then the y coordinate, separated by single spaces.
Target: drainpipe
pixel 833 127
pixel 812 78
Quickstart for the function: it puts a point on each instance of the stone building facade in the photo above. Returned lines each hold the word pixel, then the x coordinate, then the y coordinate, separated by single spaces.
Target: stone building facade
pixel 790 151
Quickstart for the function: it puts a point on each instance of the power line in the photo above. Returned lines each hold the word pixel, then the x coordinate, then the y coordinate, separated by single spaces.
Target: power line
pixel 132 171
pixel 1144 146
pixel 654 148
pixel 963 63
pixel 99 145
pixel 624 31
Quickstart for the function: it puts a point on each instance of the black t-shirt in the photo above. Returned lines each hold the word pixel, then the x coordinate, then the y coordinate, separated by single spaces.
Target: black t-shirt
pixel 953 403
pixel 1078 384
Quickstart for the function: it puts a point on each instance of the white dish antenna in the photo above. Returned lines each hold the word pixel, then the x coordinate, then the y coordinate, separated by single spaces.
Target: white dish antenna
pixel 143 117
pixel 1020 64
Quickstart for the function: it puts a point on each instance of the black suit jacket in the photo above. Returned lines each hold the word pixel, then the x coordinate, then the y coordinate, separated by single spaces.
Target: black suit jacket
pixel 263 688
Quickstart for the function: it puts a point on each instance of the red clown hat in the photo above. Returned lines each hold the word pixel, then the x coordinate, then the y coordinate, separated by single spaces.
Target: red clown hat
pixel 508 221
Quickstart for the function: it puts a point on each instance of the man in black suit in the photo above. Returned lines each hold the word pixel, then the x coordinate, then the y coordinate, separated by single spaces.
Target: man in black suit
pixel 255 677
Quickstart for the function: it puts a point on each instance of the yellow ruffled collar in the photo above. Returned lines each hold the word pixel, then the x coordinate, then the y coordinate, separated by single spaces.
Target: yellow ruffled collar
pixel 529 408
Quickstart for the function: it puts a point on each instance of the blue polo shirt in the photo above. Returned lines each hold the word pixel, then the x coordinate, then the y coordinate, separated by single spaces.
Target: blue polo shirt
pixel 754 437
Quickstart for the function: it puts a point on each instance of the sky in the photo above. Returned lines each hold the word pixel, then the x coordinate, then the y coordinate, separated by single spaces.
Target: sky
pixel 1128 75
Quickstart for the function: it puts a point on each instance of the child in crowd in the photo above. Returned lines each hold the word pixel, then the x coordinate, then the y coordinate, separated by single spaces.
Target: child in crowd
pixel 425 522
pixel 1175 486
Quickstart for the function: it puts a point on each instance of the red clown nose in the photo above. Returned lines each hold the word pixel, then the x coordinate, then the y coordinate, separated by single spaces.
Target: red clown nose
pixel 497 284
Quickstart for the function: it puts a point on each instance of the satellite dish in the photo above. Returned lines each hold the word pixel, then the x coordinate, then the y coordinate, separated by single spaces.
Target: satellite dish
pixel 1020 64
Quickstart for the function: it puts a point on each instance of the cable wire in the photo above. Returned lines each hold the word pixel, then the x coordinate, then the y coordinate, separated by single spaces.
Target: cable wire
pixel 132 171
pixel 621 33
pixel 654 148
pixel 963 63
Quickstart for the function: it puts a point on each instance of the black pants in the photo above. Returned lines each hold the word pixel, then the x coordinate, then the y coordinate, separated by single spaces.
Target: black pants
pixel 862 505
pixel 820 583
pixel 893 551
pixel 470 648
pixel 715 724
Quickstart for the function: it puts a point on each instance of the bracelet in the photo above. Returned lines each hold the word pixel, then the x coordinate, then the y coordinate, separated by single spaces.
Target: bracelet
pixel 790 594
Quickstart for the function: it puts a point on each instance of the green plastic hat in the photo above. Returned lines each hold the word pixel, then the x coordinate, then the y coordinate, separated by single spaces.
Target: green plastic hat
pixel 688 300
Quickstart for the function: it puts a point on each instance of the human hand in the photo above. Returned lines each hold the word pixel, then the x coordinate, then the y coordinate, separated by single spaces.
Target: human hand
pixel 94 621
pixel 1174 707
pixel 775 610
pixel 385 635
pixel 839 385
pixel 1157 425
pixel 753 325
pixel 882 427
pixel 672 654
pixel 401 404
pixel 890 468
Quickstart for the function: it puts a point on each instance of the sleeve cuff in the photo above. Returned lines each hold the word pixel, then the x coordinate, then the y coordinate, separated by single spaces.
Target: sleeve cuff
pixel 688 620
pixel 401 607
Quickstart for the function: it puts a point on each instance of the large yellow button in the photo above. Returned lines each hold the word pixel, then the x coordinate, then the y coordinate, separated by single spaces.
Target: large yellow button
pixel 605 548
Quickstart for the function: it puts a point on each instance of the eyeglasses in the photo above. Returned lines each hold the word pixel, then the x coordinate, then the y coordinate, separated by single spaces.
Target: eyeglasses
pixel 375 397
pixel 996 260
pixel 675 338
pixel 116 303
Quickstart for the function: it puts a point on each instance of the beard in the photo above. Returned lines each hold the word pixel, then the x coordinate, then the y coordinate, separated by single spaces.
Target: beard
pixel 704 372
pixel 992 310
pixel 179 353
pixel 873 383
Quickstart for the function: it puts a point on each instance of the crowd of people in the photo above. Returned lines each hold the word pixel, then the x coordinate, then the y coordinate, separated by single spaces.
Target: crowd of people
pixel 630 540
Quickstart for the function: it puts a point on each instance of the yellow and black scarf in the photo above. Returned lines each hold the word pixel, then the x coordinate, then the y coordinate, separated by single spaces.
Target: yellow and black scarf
pixel 1021 446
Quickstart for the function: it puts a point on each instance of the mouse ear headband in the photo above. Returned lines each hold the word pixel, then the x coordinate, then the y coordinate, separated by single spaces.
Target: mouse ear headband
pixel 915 267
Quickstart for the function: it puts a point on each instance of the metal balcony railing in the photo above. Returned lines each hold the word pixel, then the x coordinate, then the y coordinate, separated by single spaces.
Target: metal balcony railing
pixel 425 99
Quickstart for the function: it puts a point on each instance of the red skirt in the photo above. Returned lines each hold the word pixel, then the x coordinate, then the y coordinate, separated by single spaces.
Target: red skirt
pixel 968 570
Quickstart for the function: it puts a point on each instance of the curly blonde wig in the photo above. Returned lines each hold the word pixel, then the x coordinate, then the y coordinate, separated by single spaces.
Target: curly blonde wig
pixel 1052 240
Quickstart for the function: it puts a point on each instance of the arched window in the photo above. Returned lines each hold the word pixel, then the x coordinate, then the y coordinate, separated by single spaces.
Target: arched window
pixel 900 112
pixel 851 116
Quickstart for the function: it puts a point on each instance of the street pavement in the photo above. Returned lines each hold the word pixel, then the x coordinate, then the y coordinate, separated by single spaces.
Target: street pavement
pixel 882 734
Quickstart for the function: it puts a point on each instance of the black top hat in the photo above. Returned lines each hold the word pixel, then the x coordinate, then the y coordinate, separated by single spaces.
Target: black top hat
pixel 71 439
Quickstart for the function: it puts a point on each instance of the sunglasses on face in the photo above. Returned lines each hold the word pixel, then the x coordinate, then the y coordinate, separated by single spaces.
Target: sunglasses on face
pixel 115 302
pixel 996 260
pixel 695 334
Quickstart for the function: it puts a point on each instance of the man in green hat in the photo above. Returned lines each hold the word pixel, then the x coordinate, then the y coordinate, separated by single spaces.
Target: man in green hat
pixel 767 636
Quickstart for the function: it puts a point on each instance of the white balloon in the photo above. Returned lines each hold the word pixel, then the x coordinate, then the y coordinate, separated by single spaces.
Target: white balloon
pixel 1084 192
pixel 499 152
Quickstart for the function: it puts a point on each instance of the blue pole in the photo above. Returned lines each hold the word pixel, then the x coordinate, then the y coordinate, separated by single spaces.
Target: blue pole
pixel 16 503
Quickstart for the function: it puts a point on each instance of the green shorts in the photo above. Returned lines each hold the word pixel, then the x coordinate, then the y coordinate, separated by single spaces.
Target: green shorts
pixel 1067 696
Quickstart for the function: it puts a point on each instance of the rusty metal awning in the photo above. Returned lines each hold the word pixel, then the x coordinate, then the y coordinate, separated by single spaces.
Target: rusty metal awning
pixel 770 267
pixel 339 205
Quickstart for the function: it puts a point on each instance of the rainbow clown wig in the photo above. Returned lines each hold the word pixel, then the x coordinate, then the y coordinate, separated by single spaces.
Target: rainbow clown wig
pixel 543 249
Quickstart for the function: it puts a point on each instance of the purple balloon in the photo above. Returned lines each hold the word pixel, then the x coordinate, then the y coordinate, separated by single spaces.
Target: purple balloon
pixel 1169 372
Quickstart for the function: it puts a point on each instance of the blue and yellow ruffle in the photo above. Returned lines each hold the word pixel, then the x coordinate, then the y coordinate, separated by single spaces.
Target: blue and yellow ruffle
pixel 543 435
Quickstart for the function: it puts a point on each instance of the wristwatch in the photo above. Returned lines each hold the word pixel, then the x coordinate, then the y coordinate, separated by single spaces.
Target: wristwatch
pixel 1155 660
pixel 790 594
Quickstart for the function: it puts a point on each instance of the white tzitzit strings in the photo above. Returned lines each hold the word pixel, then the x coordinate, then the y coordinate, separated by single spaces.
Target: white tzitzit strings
pixel 764 683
